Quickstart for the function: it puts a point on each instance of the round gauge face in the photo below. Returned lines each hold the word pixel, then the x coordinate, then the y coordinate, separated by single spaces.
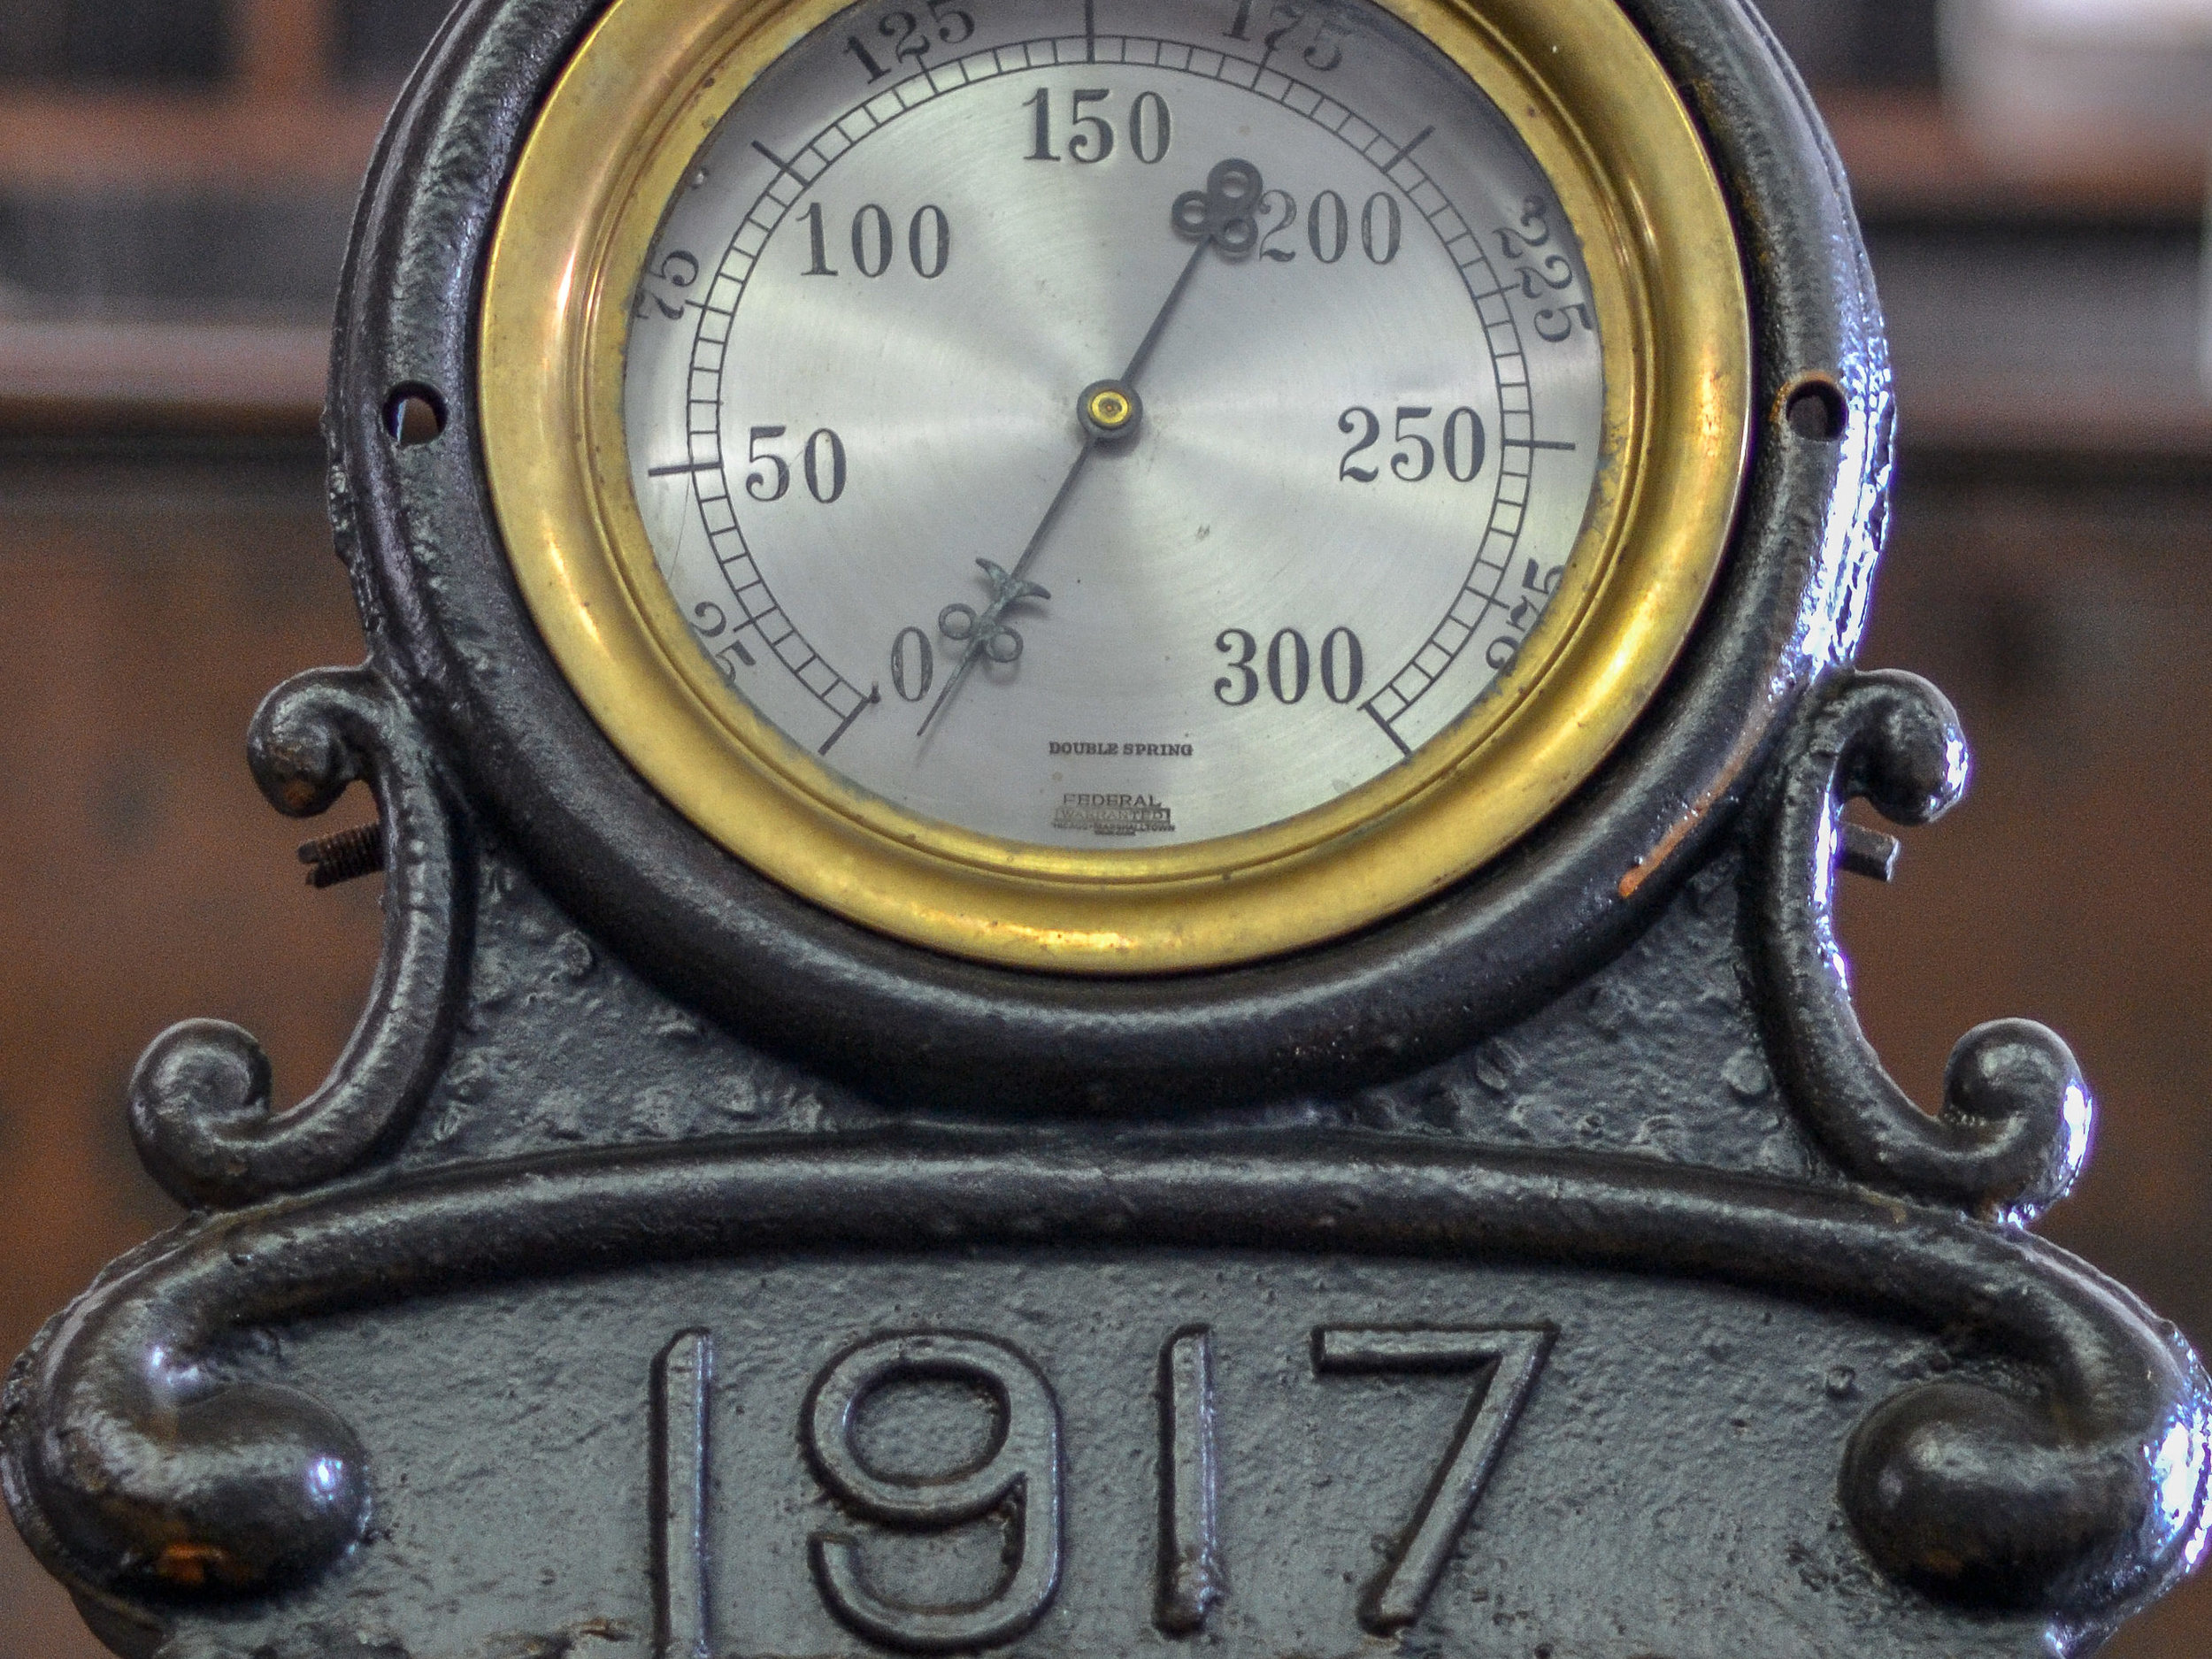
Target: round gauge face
pixel 1115 486
pixel 1144 433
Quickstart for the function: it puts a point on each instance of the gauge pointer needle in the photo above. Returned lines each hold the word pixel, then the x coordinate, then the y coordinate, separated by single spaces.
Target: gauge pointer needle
pixel 1224 215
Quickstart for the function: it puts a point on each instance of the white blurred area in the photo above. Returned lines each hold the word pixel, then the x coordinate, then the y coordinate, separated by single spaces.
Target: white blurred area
pixel 2034 83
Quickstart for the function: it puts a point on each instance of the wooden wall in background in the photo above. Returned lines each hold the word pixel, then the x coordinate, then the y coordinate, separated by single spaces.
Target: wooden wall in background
pixel 2064 608
pixel 147 609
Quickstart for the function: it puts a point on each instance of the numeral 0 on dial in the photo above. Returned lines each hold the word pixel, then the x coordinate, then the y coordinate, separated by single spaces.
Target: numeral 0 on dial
pixel 913 664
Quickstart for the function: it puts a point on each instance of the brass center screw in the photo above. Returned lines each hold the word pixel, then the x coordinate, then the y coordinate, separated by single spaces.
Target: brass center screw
pixel 1109 410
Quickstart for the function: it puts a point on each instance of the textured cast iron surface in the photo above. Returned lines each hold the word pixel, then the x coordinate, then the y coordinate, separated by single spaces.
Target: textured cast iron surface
pixel 1554 1272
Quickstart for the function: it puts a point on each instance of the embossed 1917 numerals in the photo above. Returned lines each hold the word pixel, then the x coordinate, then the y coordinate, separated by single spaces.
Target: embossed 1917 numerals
pixel 1021 1475
pixel 1018 1481
pixel 1505 1361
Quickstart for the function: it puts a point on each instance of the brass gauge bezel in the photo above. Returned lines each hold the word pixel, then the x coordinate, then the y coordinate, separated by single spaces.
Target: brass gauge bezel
pixel 611 147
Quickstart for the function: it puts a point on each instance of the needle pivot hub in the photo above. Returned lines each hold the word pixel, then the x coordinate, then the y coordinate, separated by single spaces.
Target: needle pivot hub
pixel 1109 410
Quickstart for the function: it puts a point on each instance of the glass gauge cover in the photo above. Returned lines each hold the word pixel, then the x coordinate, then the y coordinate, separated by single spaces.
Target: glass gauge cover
pixel 1115 485
pixel 1354 415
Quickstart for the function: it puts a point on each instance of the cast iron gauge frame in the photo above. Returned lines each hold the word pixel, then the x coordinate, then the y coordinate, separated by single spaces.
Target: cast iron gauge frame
pixel 445 613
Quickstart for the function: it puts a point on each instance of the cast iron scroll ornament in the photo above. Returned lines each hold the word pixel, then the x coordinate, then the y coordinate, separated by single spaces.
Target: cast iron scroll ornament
pixel 2013 1131
pixel 185 1485
pixel 200 1105
pixel 137 1469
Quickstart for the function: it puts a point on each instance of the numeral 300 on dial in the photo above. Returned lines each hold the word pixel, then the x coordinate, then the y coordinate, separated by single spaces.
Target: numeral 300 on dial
pixel 1290 666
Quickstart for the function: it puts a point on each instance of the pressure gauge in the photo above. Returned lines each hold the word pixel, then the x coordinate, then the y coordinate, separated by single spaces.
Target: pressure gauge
pixel 1115 486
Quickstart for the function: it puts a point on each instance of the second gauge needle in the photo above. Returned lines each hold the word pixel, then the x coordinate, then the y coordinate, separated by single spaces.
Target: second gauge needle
pixel 1220 216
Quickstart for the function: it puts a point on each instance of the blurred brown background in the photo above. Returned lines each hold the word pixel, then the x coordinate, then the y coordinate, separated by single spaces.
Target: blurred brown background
pixel 174 181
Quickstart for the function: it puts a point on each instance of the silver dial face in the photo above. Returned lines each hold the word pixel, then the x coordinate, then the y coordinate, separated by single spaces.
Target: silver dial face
pixel 1129 423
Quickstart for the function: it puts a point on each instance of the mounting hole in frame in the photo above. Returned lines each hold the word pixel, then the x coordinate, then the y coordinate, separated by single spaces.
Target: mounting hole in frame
pixel 1815 408
pixel 414 415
